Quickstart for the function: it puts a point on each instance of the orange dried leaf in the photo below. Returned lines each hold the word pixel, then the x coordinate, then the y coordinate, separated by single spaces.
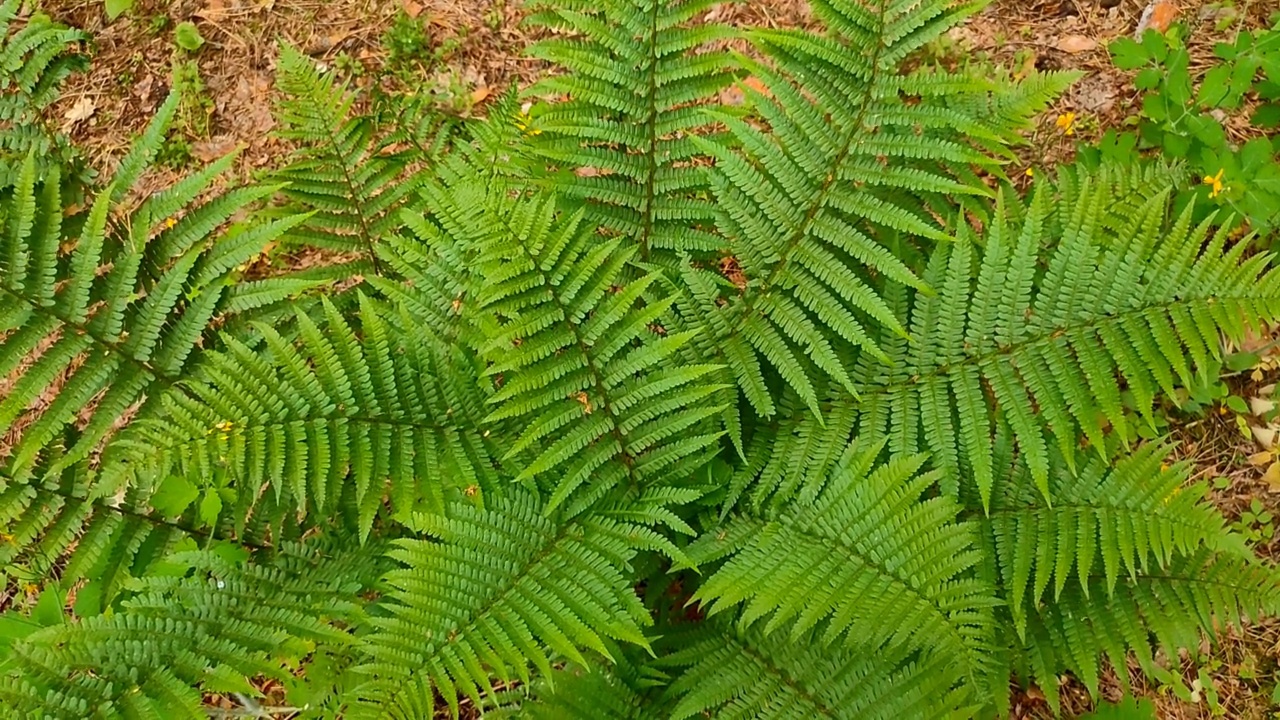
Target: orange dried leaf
pixel 1075 44
pixel 1158 16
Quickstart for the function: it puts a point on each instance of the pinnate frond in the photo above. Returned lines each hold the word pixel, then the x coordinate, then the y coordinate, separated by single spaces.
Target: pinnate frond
pixel 1043 326
pixel 346 407
pixel 726 672
pixel 578 359
pixel 868 561
pixel 345 170
pixel 853 155
pixel 492 591
pixel 1104 523
pixel 209 622
pixel 36 57
pixel 635 73
pixel 97 313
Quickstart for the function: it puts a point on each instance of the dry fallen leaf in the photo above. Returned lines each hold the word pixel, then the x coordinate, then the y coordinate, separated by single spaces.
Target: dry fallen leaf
pixel 1272 477
pixel 1260 459
pixel 480 94
pixel 758 85
pixel 1075 44
pixel 1158 16
pixel 82 110
pixel 1266 436
pixel 411 8
pixel 1261 406
pixel 212 10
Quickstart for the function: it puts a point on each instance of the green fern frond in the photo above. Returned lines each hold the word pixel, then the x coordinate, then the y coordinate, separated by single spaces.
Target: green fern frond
pixel 854 155
pixel 58 531
pixel 344 408
pixel 1164 608
pixel 94 330
pixel 345 171
pixel 35 59
pixel 728 673
pixel 1105 522
pixel 791 455
pixel 578 361
pixel 1041 327
pixel 868 562
pixel 628 688
pixel 208 621
pixel 492 592
pixel 636 72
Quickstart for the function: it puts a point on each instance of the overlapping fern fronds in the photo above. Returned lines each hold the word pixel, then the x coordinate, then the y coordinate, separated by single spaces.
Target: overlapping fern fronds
pixel 1058 313
pixel 635 75
pixel 855 158
pixel 35 58
pixel 743 674
pixel 579 359
pixel 1123 558
pixel 208 621
pixel 868 562
pixel 536 586
pixel 96 326
pixel 347 408
pixel 346 170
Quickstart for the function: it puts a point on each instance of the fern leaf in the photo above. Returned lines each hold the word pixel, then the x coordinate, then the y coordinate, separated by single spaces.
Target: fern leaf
pixel 867 562
pixel 210 621
pixel 312 420
pixel 1105 523
pixel 344 170
pixel 577 363
pixel 101 327
pixel 534 585
pixel 35 59
pixel 636 70
pixel 855 153
pixel 743 674
pixel 1145 309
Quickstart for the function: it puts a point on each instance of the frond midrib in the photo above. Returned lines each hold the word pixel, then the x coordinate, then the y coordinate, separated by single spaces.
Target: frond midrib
pixel 597 377
pixel 830 180
pixel 792 525
pixel 870 389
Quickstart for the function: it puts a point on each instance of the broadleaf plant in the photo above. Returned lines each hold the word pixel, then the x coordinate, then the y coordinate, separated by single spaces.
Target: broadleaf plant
pixel 619 403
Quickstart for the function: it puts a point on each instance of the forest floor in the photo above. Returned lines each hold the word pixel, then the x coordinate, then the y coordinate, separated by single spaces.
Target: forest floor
pixel 465 52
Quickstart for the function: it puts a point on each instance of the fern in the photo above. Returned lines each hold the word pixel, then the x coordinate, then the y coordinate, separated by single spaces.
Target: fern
pixel 117 316
pixel 535 583
pixel 577 362
pixel 208 619
pixel 1062 330
pixel 854 156
pixel 344 170
pixel 749 675
pixel 625 137
pixel 866 563
pixel 629 406
pixel 352 409
pixel 35 59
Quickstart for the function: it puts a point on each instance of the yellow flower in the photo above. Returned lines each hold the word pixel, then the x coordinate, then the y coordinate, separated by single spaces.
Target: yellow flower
pixel 1067 123
pixel 522 122
pixel 1215 182
pixel 1031 172
pixel 170 223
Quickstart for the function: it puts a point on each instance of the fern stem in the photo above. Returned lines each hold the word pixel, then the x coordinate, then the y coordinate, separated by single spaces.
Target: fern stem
pixel 596 378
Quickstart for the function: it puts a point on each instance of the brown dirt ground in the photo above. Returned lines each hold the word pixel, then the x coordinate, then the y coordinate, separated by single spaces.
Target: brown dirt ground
pixel 130 77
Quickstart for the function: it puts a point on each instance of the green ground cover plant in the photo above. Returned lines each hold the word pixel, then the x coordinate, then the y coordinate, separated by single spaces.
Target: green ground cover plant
pixel 622 402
